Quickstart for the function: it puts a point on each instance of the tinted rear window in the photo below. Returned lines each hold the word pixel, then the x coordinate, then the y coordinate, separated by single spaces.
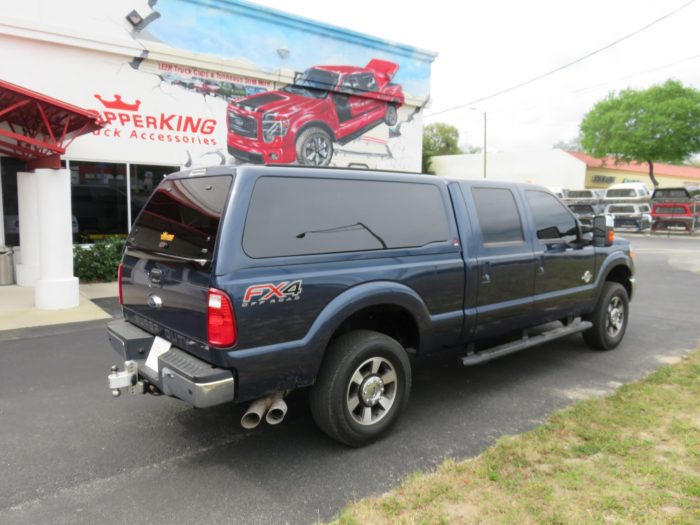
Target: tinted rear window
pixel 581 208
pixel 621 193
pixel 580 194
pixel 673 193
pixel 498 215
pixel 670 210
pixel 300 216
pixel 181 218
pixel 621 209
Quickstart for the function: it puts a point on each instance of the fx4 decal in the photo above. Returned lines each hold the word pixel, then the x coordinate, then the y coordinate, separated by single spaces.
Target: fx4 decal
pixel 268 293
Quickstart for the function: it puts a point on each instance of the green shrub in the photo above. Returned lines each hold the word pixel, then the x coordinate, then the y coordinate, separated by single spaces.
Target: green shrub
pixel 98 262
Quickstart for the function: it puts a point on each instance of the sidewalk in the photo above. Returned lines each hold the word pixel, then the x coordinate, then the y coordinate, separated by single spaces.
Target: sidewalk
pixel 17 307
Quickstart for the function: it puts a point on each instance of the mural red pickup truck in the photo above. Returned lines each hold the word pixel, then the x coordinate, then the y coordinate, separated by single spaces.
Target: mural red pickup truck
pixel 325 105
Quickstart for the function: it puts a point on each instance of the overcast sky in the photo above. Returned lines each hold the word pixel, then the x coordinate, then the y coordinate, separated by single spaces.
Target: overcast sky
pixel 490 45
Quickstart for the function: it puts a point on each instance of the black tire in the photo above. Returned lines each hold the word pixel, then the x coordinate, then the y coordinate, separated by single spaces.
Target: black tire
pixel 609 318
pixel 391 117
pixel 314 147
pixel 336 400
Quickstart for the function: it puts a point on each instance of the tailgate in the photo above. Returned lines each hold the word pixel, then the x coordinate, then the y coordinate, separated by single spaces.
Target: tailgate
pixel 166 268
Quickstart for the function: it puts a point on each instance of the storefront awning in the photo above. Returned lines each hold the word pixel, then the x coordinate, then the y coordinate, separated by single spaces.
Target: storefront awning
pixel 38 128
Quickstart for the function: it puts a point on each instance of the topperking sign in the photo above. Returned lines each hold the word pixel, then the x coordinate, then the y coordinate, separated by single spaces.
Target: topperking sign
pixel 160 115
pixel 129 121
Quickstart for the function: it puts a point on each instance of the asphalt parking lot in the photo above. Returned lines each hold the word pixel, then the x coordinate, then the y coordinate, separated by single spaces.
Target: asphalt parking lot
pixel 70 453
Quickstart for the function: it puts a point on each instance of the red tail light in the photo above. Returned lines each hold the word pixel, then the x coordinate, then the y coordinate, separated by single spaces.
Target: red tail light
pixel 221 323
pixel 119 280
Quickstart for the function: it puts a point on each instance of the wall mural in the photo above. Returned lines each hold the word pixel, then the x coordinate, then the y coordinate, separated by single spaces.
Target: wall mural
pixel 353 114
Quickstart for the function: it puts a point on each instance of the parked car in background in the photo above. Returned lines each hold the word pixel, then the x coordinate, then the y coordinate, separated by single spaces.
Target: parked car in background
pixel 675 209
pixel 627 192
pixel 594 196
pixel 585 204
pixel 633 216
pixel 558 191
pixel 585 213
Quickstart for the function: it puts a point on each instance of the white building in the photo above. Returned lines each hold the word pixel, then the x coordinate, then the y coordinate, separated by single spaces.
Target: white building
pixel 550 168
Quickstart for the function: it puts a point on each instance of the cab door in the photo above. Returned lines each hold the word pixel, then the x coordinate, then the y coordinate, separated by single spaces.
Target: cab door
pixel 565 268
pixel 505 260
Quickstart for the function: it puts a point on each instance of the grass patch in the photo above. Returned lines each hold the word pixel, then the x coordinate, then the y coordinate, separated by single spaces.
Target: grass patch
pixel 633 457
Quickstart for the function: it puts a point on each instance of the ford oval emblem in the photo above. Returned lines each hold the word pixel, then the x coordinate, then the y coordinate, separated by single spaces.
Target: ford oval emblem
pixel 154 301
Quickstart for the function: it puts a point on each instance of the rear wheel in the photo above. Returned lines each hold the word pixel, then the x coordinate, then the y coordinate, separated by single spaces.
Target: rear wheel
pixel 392 115
pixel 609 318
pixel 363 386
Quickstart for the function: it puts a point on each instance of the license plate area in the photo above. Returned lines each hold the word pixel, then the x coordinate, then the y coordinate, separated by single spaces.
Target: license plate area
pixel 158 348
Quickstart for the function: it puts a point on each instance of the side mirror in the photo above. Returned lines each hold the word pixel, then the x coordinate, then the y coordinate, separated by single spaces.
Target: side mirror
pixel 585 234
pixel 603 230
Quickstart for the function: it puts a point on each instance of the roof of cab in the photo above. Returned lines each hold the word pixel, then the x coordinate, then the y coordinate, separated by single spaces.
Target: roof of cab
pixel 343 173
pixel 307 171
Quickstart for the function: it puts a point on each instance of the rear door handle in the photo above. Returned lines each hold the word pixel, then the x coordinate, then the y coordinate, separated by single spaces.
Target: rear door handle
pixel 486 273
pixel 540 264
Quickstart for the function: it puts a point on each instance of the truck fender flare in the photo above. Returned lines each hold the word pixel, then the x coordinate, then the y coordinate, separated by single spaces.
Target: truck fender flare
pixel 610 263
pixel 311 123
pixel 362 296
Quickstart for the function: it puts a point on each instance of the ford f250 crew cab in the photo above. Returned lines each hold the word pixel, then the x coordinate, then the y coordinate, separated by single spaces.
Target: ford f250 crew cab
pixel 239 284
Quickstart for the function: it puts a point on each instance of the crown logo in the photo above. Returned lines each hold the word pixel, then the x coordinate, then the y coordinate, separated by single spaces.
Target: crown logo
pixel 119 104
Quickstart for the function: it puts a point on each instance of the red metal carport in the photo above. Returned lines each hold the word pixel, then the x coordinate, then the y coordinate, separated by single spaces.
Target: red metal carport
pixel 37 128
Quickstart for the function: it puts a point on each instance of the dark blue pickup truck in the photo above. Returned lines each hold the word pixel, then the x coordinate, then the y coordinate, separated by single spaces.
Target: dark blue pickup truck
pixel 243 283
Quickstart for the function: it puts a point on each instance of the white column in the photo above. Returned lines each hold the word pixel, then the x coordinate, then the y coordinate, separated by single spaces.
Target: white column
pixel 128 197
pixel 27 271
pixel 2 213
pixel 56 288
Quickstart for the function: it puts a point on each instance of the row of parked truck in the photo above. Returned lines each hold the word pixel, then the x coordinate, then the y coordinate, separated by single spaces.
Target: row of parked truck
pixel 635 208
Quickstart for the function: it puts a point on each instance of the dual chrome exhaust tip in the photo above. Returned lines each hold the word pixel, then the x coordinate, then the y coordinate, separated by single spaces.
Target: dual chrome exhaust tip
pixel 273 408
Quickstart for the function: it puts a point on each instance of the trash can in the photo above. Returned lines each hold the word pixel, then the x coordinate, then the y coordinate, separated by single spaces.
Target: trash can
pixel 7 268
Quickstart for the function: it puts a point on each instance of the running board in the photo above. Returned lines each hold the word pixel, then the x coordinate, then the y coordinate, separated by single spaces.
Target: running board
pixel 526 342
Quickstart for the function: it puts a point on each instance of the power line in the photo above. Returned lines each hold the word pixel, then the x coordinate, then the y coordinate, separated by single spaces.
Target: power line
pixel 569 64
pixel 596 86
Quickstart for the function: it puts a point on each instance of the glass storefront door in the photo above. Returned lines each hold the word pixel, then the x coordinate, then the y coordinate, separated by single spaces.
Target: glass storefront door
pixel 99 200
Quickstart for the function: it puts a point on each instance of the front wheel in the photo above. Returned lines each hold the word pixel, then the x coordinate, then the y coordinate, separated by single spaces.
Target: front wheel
pixel 609 318
pixel 362 387
pixel 314 147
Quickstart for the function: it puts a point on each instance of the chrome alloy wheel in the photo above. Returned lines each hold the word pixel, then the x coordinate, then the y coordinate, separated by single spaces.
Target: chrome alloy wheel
pixel 616 316
pixel 317 150
pixel 372 391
